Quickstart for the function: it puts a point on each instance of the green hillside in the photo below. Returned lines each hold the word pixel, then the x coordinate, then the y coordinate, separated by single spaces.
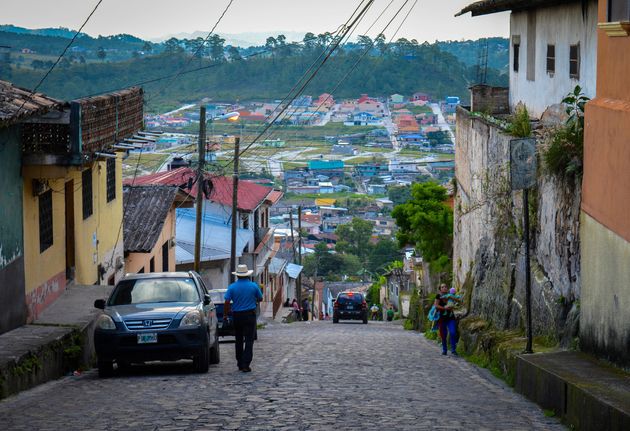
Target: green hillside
pixel 402 67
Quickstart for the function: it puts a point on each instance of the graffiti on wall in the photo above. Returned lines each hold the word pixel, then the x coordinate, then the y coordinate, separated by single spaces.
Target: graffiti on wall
pixel 40 298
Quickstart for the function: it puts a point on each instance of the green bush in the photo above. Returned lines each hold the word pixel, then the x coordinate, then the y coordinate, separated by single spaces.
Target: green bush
pixel 519 124
pixel 564 150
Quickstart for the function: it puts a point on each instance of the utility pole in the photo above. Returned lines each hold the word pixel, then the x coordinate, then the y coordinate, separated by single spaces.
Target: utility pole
pixel 200 185
pixel 237 144
pixel 298 282
pixel 528 283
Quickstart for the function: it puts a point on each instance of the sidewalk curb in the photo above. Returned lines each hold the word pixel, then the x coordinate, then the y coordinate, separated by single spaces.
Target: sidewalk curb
pixel 60 351
pixel 60 342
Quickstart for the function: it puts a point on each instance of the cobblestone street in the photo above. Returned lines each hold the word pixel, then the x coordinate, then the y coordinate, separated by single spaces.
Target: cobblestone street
pixel 305 376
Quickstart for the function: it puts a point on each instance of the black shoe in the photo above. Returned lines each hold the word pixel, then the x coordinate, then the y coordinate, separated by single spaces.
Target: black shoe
pixel 246 370
pixel 444 353
pixel 454 353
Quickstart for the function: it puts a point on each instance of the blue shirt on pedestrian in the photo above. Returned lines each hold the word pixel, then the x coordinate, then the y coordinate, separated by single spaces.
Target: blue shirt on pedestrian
pixel 243 294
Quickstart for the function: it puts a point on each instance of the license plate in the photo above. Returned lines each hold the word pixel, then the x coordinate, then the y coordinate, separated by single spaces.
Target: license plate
pixel 147 337
pixel 220 324
pixel 350 307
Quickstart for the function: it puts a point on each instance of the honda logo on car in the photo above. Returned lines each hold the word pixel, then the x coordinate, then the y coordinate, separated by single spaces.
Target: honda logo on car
pixel 147 323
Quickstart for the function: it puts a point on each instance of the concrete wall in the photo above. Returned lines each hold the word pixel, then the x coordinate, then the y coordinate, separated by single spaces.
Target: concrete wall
pixel 605 311
pixel 12 305
pixel 488 250
pixel 562 26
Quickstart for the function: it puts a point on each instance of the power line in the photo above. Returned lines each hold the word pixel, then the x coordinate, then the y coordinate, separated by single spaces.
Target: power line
pixel 335 46
pixel 365 52
pixel 41 81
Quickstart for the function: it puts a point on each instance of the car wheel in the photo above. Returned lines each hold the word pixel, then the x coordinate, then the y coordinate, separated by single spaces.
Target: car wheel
pixel 105 368
pixel 335 320
pixel 215 355
pixel 365 321
pixel 201 362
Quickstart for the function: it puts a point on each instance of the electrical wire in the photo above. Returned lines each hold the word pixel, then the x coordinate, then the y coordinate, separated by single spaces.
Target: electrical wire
pixel 295 96
pixel 48 72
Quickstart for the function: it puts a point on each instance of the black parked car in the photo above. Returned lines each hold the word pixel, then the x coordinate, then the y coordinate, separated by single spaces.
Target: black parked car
pixel 157 316
pixel 350 306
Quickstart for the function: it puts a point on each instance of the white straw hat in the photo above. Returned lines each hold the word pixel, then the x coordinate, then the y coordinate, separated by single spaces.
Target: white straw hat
pixel 243 271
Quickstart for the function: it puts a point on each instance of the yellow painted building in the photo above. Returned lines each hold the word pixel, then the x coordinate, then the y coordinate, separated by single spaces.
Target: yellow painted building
pixel 72 194
pixel 86 245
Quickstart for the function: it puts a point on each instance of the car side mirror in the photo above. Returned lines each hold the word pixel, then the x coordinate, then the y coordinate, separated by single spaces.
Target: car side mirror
pixel 99 303
pixel 206 299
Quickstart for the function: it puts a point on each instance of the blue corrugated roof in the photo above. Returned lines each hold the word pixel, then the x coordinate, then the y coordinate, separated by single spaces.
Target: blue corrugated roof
pixel 277 265
pixel 293 270
pixel 215 237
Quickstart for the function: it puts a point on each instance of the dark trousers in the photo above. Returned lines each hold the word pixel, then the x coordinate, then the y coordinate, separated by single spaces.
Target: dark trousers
pixel 244 329
pixel 448 326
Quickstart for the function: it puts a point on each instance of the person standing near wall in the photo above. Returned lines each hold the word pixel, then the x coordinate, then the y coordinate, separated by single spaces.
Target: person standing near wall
pixel 447 322
pixel 244 295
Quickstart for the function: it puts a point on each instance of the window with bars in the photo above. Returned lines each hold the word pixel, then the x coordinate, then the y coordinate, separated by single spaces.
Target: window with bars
pixel 517 50
pixel 551 59
pixel 111 179
pixel 574 61
pixel 618 10
pixel 86 187
pixel 45 221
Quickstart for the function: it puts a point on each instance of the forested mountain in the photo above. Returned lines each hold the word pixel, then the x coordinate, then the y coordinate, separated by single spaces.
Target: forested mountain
pixel 269 72
pixel 470 51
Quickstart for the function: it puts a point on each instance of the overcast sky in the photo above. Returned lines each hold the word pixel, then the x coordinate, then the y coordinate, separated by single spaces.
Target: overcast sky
pixel 150 19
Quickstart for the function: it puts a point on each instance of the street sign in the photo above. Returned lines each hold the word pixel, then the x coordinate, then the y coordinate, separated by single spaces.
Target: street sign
pixel 523 163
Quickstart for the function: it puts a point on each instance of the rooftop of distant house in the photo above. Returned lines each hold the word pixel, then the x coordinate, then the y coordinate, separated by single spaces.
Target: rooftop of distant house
pixel 250 194
pixel 146 208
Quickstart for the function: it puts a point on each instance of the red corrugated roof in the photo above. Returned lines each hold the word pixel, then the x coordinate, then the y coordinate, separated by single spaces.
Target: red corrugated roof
pixel 250 194
pixel 275 196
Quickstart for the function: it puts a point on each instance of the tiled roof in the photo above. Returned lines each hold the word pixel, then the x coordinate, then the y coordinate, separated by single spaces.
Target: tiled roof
pixel 485 7
pixel 145 211
pixel 250 194
pixel 12 98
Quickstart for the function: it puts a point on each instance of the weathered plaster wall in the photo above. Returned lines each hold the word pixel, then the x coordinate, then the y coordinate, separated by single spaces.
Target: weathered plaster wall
pixel 12 306
pixel 488 251
pixel 605 310
pixel 562 26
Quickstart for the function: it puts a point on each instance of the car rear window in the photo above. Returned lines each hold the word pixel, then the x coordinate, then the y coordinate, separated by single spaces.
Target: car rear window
pixel 345 298
pixel 217 297
pixel 152 290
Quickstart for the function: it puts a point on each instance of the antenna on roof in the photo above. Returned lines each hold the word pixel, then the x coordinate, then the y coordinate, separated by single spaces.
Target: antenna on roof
pixel 482 62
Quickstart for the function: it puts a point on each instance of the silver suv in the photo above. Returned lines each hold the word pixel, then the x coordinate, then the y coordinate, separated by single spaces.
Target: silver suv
pixel 157 316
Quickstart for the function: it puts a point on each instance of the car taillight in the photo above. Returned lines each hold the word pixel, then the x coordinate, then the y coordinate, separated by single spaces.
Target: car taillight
pixel 364 304
pixel 335 304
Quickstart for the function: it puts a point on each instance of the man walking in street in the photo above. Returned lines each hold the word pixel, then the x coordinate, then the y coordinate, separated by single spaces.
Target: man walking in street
pixel 244 295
